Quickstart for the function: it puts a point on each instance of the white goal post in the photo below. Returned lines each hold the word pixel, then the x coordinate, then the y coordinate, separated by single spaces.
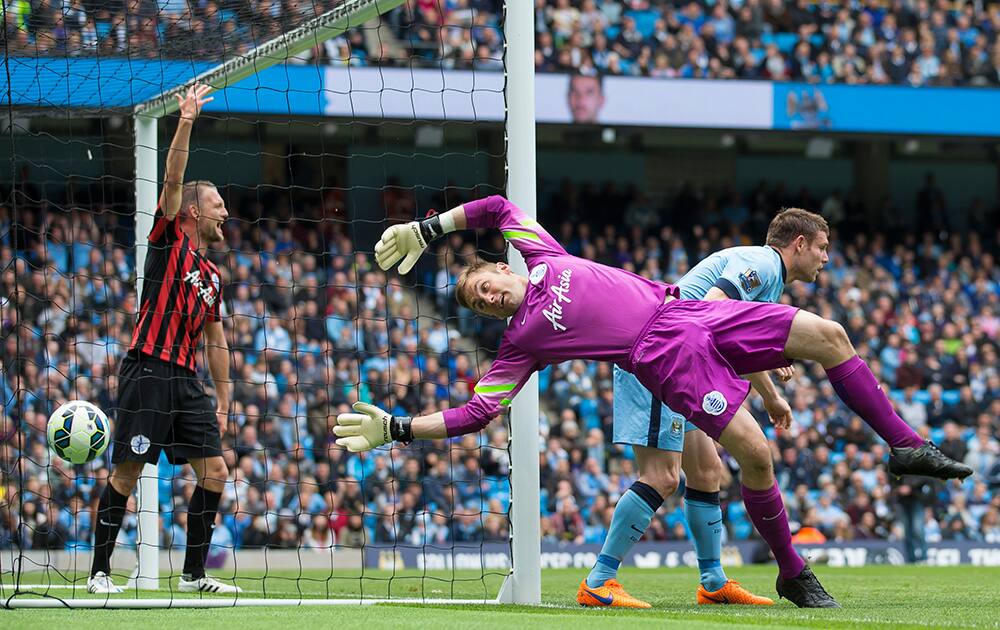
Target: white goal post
pixel 523 584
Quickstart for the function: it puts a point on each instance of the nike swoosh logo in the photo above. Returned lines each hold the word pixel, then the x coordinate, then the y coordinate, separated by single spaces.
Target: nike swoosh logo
pixel 105 523
pixel 775 516
pixel 604 600
pixel 715 522
pixel 638 531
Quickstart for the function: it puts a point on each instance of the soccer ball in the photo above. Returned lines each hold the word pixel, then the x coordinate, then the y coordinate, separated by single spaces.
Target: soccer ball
pixel 78 431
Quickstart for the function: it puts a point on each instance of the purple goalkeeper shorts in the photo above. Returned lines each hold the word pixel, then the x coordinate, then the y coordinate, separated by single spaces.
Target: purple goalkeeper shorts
pixel 691 354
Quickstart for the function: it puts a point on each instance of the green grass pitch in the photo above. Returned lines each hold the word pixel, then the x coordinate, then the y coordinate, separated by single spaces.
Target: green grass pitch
pixel 872 597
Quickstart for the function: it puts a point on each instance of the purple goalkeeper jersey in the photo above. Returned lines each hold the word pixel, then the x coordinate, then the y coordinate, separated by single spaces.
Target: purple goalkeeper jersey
pixel 573 309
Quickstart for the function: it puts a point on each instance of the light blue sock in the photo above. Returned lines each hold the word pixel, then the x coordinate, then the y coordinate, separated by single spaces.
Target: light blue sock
pixel 704 516
pixel 632 515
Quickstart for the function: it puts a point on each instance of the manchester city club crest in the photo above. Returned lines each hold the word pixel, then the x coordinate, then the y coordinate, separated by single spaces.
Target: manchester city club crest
pixel 749 279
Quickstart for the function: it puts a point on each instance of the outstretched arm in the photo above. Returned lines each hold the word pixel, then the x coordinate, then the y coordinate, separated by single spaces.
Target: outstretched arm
pixel 177 156
pixel 371 427
pixel 407 242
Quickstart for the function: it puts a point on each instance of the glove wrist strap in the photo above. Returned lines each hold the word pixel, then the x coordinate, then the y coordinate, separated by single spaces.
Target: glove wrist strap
pixel 436 226
pixel 401 429
pixel 431 229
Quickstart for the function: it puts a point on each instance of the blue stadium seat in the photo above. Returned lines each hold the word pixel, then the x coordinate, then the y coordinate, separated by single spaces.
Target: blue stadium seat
pixel 786 41
pixel 594 534
pixel 645 21
pixel 739 523
pixel 78 545
pixel 544 378
pixel 948 396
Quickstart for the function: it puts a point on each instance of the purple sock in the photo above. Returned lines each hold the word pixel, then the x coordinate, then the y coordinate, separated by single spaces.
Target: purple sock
pixel 767 511
pixel 857 387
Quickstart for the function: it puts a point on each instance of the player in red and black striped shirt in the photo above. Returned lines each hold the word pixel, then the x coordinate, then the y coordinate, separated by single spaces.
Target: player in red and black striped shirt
pixel 162 404
pixel 180 293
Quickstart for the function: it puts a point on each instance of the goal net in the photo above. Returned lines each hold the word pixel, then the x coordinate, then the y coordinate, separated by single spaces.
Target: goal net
pixel 331 119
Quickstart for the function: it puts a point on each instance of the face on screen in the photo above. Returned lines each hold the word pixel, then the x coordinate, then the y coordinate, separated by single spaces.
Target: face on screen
pixel 585 98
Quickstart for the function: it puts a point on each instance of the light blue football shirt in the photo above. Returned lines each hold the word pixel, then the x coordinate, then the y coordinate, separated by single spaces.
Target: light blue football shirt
pixel 751 274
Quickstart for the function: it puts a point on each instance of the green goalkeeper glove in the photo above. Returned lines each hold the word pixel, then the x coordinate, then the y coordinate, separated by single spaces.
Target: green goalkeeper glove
pixel 370 428
pixel 398 242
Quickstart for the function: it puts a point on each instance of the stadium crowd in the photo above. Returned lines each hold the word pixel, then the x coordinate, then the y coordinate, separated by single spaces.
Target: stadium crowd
pixel 912 42
pixel 314 326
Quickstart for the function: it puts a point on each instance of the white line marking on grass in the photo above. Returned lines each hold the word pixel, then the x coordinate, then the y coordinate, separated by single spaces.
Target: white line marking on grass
pixel 41 587
pixel 285 594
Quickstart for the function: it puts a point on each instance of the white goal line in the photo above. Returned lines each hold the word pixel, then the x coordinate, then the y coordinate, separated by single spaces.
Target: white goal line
pixel 234 602
pixel 42 589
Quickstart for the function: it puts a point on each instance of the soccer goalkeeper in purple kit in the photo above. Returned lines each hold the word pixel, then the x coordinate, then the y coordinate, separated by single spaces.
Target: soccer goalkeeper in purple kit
pixel 688 353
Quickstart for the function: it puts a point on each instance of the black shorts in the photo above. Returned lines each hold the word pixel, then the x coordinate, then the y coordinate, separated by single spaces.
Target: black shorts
pixel 162 407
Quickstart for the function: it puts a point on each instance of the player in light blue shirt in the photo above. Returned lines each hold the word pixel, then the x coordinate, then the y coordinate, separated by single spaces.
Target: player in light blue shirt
pixel 796 250
pixel 752 274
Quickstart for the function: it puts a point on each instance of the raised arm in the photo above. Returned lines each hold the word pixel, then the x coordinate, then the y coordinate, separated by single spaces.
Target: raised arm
pixel 177 156
pixel 407 242
pixel 371 427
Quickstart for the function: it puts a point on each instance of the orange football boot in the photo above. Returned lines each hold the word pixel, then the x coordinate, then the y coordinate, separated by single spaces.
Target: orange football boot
pixel 612 593
pixel 731 593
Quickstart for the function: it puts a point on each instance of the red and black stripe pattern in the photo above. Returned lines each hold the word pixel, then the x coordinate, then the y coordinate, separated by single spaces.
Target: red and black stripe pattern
pixel 180 293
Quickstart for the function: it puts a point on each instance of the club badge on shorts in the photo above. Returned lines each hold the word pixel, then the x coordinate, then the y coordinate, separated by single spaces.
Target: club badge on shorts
pixel 140 444
pixel 714 403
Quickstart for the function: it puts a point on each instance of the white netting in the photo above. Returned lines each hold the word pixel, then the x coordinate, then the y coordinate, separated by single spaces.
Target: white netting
pixel 312 324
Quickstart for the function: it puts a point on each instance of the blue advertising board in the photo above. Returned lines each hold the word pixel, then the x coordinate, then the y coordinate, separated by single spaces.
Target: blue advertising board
pixel 123 83
pixel 889 109
pixel 93 83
